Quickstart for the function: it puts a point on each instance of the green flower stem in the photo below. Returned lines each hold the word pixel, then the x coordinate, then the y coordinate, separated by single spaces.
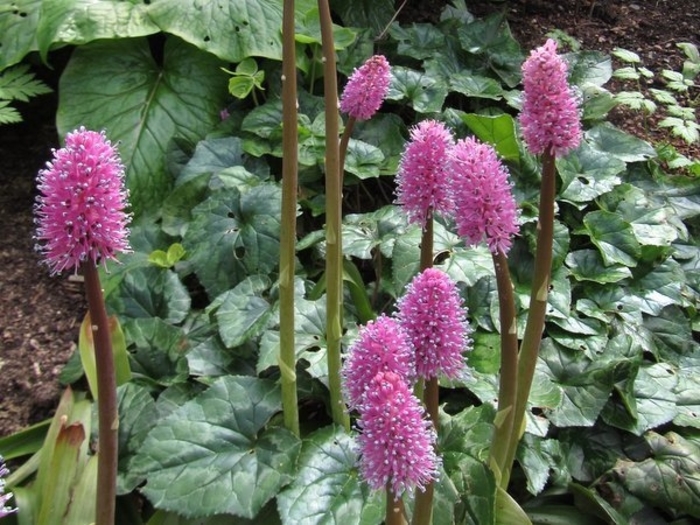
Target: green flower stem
pixel 334 241
pixel 344 140
pixel 530 346
pixel 287 356
pixel 507 390
pixel 108 418
pixel 428 391
pixel 395 514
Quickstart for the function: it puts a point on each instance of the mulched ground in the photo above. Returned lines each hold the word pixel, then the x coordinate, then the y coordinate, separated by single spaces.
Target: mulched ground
pixel 40 315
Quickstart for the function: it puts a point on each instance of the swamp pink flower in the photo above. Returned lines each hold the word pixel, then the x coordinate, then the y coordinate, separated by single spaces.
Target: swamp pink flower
pixel 434 318
pixel 367 88
pixel 484 203
pixel 397 443
pixel 80 211
pixel 422 180
pixel 5 510
pixel 381 346
pixel 550 117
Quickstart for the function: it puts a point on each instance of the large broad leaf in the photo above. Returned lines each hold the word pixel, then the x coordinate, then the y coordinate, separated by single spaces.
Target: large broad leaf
pixel 143 105
pixel 424 93
pixel 670 477
pixel 499 131
pixel 624 146
pixel 230 29
pixel 215 454
pixel 233 235
pixel 81 21
pixel 613 236
pixel 244 312
pixel 327 489
pixel 18 23
pixel 587 173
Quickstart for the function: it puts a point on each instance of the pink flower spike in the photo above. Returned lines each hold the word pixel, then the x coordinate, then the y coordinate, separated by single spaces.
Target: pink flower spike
pixel 422 180
pixel 432 314
pixel 5 509
pixel 397 443
pixel 80 209
pixel 484 203
pixel 381 346
pixel 550 117
pixel 366 89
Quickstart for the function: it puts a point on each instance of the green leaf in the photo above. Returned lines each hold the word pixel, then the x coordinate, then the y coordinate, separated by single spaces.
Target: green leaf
pixel 327 489
pixel 8 114
pixel 137 416
pixel 78 22
pixel 613 236
pixel 661 287
pixel 151 292
pixel 587 174
pixel 424 93
pixel 143 106
pixel 608 139
pixel 585 388
pixel 237 463
pixel 498 131
pixel 490 36
pixel 18 83
pixel 373 14
pixel 476 86
pixel 419 41
pixel 158 357
pixel 626 55
pixel 588 265
pixel 18 25
pixel 363 160
pixel 243 312
pixel 231 30
pixel 669 477
pixel 233 235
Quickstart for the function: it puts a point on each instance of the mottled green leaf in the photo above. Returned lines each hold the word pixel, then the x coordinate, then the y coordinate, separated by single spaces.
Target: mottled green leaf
pixel 237 462
pixel 424 93
pixel 613 236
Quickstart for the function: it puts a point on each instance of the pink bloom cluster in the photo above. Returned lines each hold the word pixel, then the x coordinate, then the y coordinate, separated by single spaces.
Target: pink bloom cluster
pixel 422 181
pixel 80 211
pixel 550 117
pixel 432 314
pixel 381 346
pixel 367 88
pixel 5 510
pixel 397 444
pixel 484 203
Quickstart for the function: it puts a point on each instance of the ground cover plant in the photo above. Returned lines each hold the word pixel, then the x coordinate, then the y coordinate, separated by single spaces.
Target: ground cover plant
pixel 612 416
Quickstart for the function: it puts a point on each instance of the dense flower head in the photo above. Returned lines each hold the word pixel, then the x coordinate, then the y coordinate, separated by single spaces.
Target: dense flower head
pixel 422 180
pixel 367 88
pixel 484 203
pixel 380 346
pixel 550 117
pixel 4 497
pixel 434 318
pixel 397 443
pixel 80 209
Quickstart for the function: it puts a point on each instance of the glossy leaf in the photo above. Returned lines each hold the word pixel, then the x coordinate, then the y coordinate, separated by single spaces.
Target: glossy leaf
pixel 238 462
pixel 327 489
pixel 144 105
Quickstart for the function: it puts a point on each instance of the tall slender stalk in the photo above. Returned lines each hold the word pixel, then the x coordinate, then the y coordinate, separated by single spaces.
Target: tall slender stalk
pixel 287 357
pixel 108 419
pixel 427 391
pixel 394 509
pixel 334 241
pixel 507 391
pixel 530 346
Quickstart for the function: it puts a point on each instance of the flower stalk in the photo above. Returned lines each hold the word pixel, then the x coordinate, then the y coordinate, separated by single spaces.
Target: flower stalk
pixel 334 241
pixel 288 234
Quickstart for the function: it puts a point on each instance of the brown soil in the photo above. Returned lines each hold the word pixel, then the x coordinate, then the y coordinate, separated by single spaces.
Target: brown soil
pixel 40 315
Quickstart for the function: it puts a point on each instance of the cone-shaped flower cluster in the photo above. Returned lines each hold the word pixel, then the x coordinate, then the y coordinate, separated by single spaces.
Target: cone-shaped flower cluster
pixel 367 88
pixel 397 444
pixel 550 117
pixel 484 203
pixel 4 497
pixel 80 211
pixel 432 314
pixel 381 346
pixel 422 180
